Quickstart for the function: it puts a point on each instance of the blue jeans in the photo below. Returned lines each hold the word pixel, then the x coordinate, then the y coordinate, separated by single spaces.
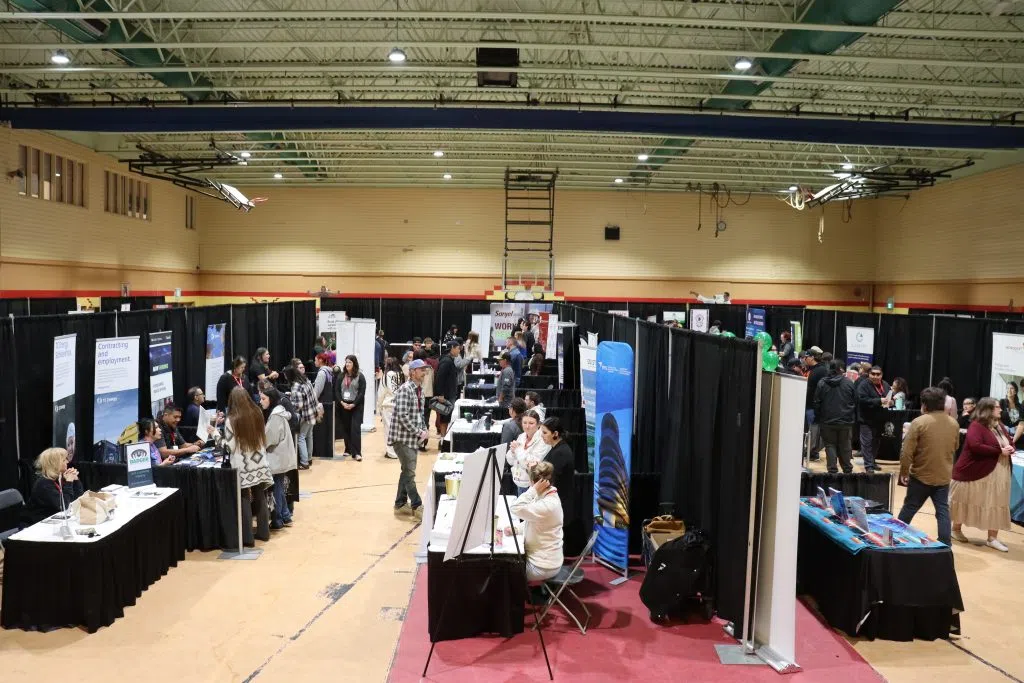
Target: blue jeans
pixel 407 479
pixel 305 442
pixel 281 512
pixel 917 494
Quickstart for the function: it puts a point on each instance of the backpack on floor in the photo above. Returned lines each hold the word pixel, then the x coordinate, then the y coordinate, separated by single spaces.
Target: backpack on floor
pixel 680 571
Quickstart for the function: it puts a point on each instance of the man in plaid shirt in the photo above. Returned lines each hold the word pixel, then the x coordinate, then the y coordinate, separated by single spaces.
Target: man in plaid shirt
pixel 407 431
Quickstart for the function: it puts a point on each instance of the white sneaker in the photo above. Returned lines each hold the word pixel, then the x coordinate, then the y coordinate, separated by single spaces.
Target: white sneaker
pixel 998 545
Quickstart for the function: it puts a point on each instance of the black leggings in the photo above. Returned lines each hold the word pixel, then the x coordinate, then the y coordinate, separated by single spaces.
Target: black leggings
pixel 351 430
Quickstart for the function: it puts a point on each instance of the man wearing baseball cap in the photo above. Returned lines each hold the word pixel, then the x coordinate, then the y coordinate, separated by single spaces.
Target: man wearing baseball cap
pixel 407 431
pixel 506 381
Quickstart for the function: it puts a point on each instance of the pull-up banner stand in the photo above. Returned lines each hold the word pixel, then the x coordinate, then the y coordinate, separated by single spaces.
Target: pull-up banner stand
pixel 588 389
pixel 116 396
pixel 860 344
pixel 614 437
pixel 64 393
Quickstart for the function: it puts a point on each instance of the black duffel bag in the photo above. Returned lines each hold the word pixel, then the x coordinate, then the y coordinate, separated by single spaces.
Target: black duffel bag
pixel 679 572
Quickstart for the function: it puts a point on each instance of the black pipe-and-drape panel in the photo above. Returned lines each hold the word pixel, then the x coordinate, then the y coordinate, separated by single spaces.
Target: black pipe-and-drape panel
pixel 903 346
pixel 353 308
pixel 732 316
pixel 963 352
pixel 280 333
pixel 819 329
pixel 249 330
pixel 143 324
pixel 707 474
pixel 305 329
pixel 778 319
pixel 9 307
pixel 8 410
pixel 55 306
pixel 137 303
pixel 461 311
pixel 403 319
pixel 198 320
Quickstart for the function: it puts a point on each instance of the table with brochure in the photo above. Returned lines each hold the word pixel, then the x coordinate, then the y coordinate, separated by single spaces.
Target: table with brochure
pixel 88 576
pixel 871 586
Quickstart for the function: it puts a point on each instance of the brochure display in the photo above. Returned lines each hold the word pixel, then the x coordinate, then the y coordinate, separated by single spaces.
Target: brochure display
pixel 64 392
pixel 860 344
pixel 161 385
pixel 588 389
pixel 116 389
pixel 216 337
pixel 1007 362
pixel 357 337
pixel 140 466
pixel 848 536
pixel 614 417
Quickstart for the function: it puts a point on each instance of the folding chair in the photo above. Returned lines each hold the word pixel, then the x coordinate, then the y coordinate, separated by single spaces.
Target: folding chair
pixel 11 503
pixel 566 577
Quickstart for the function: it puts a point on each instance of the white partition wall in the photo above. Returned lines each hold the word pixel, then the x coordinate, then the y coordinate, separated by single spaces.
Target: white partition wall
pixel 357 337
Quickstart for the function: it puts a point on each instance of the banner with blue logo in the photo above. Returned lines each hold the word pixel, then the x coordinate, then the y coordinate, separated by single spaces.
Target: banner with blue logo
pixel 755 322
pixel 116 387
pixel 860 344
pixel 588 389
pixel 614 435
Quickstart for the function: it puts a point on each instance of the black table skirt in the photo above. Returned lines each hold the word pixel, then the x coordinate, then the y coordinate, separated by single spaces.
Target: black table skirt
pixel 905 594
pixel 467 442
pixel 471 595
pixel 890 427
pixel 53 585
pixel 868 485
pixel 209 498
pixel 476 412
pixel 536 382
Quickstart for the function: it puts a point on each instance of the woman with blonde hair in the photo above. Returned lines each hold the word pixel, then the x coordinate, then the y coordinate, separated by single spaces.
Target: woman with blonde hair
pixel 541 510
pixel 245 441
pixel 55 481
pixel 979 495
pixel 474 352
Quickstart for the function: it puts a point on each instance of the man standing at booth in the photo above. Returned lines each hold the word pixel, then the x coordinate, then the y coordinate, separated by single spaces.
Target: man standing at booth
pixel 816 371
pixel 926 462
pixel 506 381
pixel 872 402
pixel 407 431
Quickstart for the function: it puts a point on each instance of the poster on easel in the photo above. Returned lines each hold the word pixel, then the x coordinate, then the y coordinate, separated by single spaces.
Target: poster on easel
pixel 588 389
pixel 216 341
pixel 161 383
pixel 357 337
pixel 614 423
pixel 116 387
pixel 64 404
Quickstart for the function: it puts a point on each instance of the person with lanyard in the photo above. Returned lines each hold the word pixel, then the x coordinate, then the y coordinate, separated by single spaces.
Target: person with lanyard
pixel 562 459
pixel 350 392
pixel 171 443
pixel 408 430
pixel 526 451
pixel 1012 414
pixel 54 490
pixel 230 380
pixel 872 401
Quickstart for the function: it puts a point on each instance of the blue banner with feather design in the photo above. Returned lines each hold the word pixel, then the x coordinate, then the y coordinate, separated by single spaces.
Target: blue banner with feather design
pixel 614 436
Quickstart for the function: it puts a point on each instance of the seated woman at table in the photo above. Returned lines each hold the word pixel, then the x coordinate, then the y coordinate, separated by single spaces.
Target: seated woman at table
pixel 513 427
pixel 526 451
pixel 541 510
pixel 899 392
pixel 979 495
pixel 55 480
pixel 245 439
pixel 149 431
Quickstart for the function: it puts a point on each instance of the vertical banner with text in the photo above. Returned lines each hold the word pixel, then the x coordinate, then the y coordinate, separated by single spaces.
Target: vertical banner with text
pixel 505 316
pixel 860 344
pixel 161 384
pixel 64 392
pixel 1007 363
pixel 614 420
pixel 755 322
pixel 216 338
pixel 588 389
pixel 116 392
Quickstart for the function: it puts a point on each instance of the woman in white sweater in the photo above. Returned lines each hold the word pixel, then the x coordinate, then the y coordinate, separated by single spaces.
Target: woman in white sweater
pixel 282 456
pixel 541 510
pixel 526 451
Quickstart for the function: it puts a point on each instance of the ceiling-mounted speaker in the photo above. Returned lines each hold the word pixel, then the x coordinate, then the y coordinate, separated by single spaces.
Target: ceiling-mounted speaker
pixel 611 232
pixel 493 64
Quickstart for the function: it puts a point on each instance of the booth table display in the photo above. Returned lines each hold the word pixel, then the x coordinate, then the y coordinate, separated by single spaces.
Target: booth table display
pixel 893 593
pixel 51 583
pixel 484 593
pixel 460 439
pixel 876 486
pixel 1017 488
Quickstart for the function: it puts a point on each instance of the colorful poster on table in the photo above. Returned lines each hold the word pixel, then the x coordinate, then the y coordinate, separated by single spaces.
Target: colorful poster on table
pixel 504 317
pixel 588 389
pixel 116 389
pixel 699 319
pixel 860 344
pixel 216 341
pixel 755 322
pixel 327 325
pixel 614 421
pixel 1007 363
pixel 161 385
pixel 140 464
pixel 64 403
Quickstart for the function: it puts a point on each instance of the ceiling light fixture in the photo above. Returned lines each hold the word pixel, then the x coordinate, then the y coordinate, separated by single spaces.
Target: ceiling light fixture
pixel 742 64
pixel 438 153
pixel 243 163
pixel 793 188
pixel 847 166
pixel 447 176
pixel 278 176
pixel 842 176
pixel 60 57
pixel 642 157
pixel 619 181
pixel 396 56
pixel 245 155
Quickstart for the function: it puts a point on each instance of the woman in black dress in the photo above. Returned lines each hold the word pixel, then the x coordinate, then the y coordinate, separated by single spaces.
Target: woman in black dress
pixel 349 392
pixel 564 462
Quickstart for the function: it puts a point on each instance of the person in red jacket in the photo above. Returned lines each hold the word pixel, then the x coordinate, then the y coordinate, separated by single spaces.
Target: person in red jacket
pixel 979 495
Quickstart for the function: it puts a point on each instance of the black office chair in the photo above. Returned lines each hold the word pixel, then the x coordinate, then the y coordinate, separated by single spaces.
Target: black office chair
pixel 11 503
pixel 567 577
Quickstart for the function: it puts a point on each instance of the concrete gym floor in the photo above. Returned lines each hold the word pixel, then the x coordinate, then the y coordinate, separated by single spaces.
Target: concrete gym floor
pixel 326 600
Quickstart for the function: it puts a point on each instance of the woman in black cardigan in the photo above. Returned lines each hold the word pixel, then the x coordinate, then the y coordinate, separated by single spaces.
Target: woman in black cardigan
pixel 564 462
pixel 349 392
pixel 55 480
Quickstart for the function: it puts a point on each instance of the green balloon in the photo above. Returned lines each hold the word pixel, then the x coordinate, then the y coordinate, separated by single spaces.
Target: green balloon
pixel 728 334
pixel 770 361
pixel 764 338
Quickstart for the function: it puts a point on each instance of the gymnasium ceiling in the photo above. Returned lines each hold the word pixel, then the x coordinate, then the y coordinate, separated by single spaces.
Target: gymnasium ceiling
pixel 912 84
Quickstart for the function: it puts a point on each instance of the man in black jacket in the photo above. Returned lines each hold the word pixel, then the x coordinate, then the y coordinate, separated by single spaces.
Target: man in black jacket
pixel 816 371
pixel 446 384
pixel 872 402
pixel 835 410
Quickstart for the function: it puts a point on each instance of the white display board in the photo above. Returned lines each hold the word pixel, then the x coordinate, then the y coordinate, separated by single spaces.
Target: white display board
pixel 699 319
pixel 1007 363
pixel 860 344
pixel 471 525
pixel 481 324
pixel 551 343
pixel 357 337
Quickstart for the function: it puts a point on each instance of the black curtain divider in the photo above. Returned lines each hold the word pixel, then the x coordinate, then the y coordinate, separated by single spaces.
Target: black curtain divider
pixel 652 406
pixel 624 330
pixel 9 307
pixel 137 303
pixel 903 345
pixel 8 424
pixel 353 308
pixel 249 330
pixel 305 329
pixel 777 320
pixel 963 352
pixel 143 323
pixel 403 319
pixel 460 312
pixel 55 306
pixel 280 337
pixel 198 320
pixel 819 329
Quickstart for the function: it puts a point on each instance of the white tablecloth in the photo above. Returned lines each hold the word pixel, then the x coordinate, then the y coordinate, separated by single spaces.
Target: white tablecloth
pixel 130 502
pixel 463 425
pixel 443 527
pixel 462 403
